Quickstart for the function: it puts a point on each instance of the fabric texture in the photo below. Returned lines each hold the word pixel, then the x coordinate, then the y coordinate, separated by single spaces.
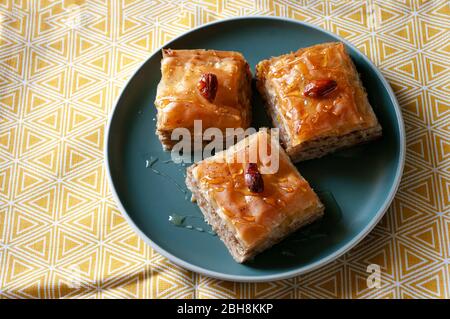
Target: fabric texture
pixel 62 66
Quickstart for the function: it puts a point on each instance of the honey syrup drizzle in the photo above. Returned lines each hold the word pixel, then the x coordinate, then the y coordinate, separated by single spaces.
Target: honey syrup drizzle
pixel 179 221
pixel 151 163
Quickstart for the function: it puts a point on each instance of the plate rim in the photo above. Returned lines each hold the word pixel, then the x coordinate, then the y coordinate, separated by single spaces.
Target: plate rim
pixel 286 274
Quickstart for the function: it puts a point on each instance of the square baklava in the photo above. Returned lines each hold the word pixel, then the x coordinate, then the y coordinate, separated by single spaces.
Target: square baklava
pixel 248 204
pixel 316 98
pixel 207 85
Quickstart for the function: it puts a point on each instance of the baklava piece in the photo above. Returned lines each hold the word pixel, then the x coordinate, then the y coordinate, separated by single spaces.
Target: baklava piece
pixel 207 85
pixel 251 210
pixel 317 100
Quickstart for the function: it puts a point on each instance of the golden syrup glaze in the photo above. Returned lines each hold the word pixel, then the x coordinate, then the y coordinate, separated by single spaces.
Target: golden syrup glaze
pixel 344 110
pixel 254 215
pixel 179 102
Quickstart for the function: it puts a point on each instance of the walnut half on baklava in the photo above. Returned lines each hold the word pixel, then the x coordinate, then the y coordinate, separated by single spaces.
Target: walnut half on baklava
pixel 207 85
pixel 317 100
pixel 248 204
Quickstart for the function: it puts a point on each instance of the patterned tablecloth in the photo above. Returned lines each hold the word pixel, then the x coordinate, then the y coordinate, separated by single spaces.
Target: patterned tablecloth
pixel 62 66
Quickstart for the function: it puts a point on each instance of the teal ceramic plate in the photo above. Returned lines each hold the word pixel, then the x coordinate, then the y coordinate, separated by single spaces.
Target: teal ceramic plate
pixel 356 185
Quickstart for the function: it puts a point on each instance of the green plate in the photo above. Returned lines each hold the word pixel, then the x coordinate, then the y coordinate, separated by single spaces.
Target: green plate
pixel 356 185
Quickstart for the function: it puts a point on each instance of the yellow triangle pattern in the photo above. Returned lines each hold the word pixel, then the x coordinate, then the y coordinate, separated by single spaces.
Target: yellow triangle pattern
pixel 62 67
